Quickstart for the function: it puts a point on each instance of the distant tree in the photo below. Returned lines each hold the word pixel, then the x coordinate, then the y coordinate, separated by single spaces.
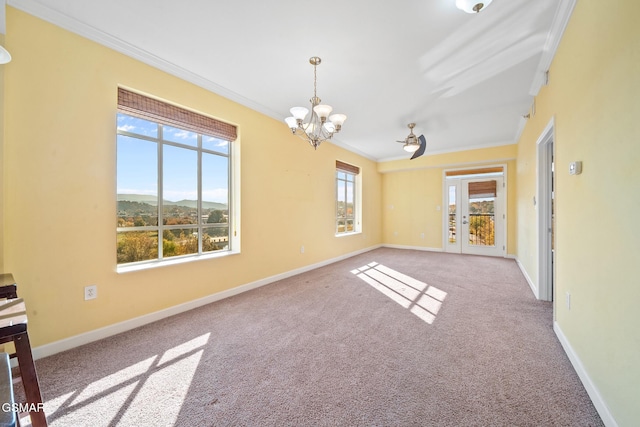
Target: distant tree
pixel 216 216
pixel 188 242
pixel 136 246
pixel 482 228
pixel 168 248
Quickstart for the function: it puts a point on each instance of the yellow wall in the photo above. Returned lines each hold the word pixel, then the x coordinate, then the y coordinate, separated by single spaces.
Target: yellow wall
pixel 60 186
pixel 593 95
pixel 2 67
pixel 58 207
pixel 412 192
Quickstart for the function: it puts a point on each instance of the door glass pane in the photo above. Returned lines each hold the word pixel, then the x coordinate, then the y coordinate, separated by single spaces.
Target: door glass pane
pixel 482 199
pixel 452 214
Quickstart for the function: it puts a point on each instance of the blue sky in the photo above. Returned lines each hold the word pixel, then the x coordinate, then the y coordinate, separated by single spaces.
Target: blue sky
pixel 137 163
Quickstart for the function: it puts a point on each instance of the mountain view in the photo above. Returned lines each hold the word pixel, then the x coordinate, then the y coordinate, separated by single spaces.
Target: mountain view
pixel 153 201
pixel 182 233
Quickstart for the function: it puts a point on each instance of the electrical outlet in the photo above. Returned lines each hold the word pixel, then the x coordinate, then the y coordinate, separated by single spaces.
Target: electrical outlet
pixel 568 300
pixel 302 249
pixel 422 236
pixel 90 292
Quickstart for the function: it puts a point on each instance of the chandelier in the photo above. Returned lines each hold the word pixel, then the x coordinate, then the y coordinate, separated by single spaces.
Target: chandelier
pixel 321 126
pixel 472 6
pixel 5 56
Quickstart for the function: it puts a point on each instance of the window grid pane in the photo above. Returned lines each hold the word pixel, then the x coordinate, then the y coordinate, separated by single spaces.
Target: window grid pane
pixel 170 168
pixel 345 202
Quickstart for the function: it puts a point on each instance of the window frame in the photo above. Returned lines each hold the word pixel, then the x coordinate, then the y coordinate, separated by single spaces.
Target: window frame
pixel 352 172
pixel 199 226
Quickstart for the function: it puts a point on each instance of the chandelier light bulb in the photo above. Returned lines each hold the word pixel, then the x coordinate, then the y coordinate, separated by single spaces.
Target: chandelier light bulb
pixel 5 56
pixel 337 120
pixel 323 111
pixel 299 113
pixel 292 123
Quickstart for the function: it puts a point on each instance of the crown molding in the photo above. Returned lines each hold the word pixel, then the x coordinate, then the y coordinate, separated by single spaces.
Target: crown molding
pixel 33 7
pixel 559 24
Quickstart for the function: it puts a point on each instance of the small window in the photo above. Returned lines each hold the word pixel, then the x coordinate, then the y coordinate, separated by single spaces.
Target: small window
pixel 347 198
pixel 173 182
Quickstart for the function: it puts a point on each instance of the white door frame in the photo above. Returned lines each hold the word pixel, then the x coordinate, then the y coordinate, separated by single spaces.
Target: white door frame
pixel 448 246
pixel 499 218
pixel 545 147
pixel 457 247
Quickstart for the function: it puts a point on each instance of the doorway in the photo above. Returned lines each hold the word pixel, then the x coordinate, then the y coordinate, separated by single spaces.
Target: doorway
pixel 546 214
pixel 475 215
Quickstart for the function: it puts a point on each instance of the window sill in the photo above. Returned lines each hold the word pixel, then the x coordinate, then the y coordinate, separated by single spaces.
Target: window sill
pixel 348 234
pixel 127 268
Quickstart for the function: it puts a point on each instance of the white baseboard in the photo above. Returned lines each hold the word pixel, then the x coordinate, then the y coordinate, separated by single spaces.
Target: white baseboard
pixel 533 286
pixel 116 328
pixel 415 248
pixel 592 390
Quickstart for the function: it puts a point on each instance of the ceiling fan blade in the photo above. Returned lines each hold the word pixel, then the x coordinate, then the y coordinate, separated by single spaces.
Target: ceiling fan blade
pixel 423 146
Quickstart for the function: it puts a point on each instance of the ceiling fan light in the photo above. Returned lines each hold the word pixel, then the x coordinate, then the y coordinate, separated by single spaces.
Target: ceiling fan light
pixel 411 148
pixel 323 111
pixel 299 113
pixel 472 6
pixel 5 56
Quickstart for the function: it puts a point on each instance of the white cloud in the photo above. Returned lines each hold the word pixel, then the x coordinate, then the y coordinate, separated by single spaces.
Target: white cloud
pixel 126 128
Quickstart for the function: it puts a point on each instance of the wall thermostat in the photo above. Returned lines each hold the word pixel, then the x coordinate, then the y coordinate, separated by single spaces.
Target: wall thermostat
pixel 575 168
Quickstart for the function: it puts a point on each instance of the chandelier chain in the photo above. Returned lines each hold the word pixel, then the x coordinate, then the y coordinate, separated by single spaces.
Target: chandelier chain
pixel 315 81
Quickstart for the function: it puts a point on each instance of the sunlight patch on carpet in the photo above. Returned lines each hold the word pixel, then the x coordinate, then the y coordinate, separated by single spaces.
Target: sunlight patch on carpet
pixel 419 298
pixel 113 381
pixel 149 392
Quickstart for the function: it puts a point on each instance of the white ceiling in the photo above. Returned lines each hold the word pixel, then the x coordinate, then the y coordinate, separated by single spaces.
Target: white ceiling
pixel 466 80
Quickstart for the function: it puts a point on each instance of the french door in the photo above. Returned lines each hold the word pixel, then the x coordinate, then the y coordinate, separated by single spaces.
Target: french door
pixel 475 216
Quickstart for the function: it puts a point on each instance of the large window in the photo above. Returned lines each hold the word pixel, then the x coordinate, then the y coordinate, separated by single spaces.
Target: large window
pixel 347 203
pixel 173 181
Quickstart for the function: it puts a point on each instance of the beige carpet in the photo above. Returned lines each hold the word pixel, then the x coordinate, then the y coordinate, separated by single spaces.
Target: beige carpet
pixel 387 338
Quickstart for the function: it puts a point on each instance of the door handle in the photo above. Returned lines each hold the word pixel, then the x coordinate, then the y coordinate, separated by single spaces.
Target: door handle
pixel 465 222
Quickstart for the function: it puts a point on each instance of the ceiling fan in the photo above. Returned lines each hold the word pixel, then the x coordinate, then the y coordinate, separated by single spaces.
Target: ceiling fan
pixel 414 144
